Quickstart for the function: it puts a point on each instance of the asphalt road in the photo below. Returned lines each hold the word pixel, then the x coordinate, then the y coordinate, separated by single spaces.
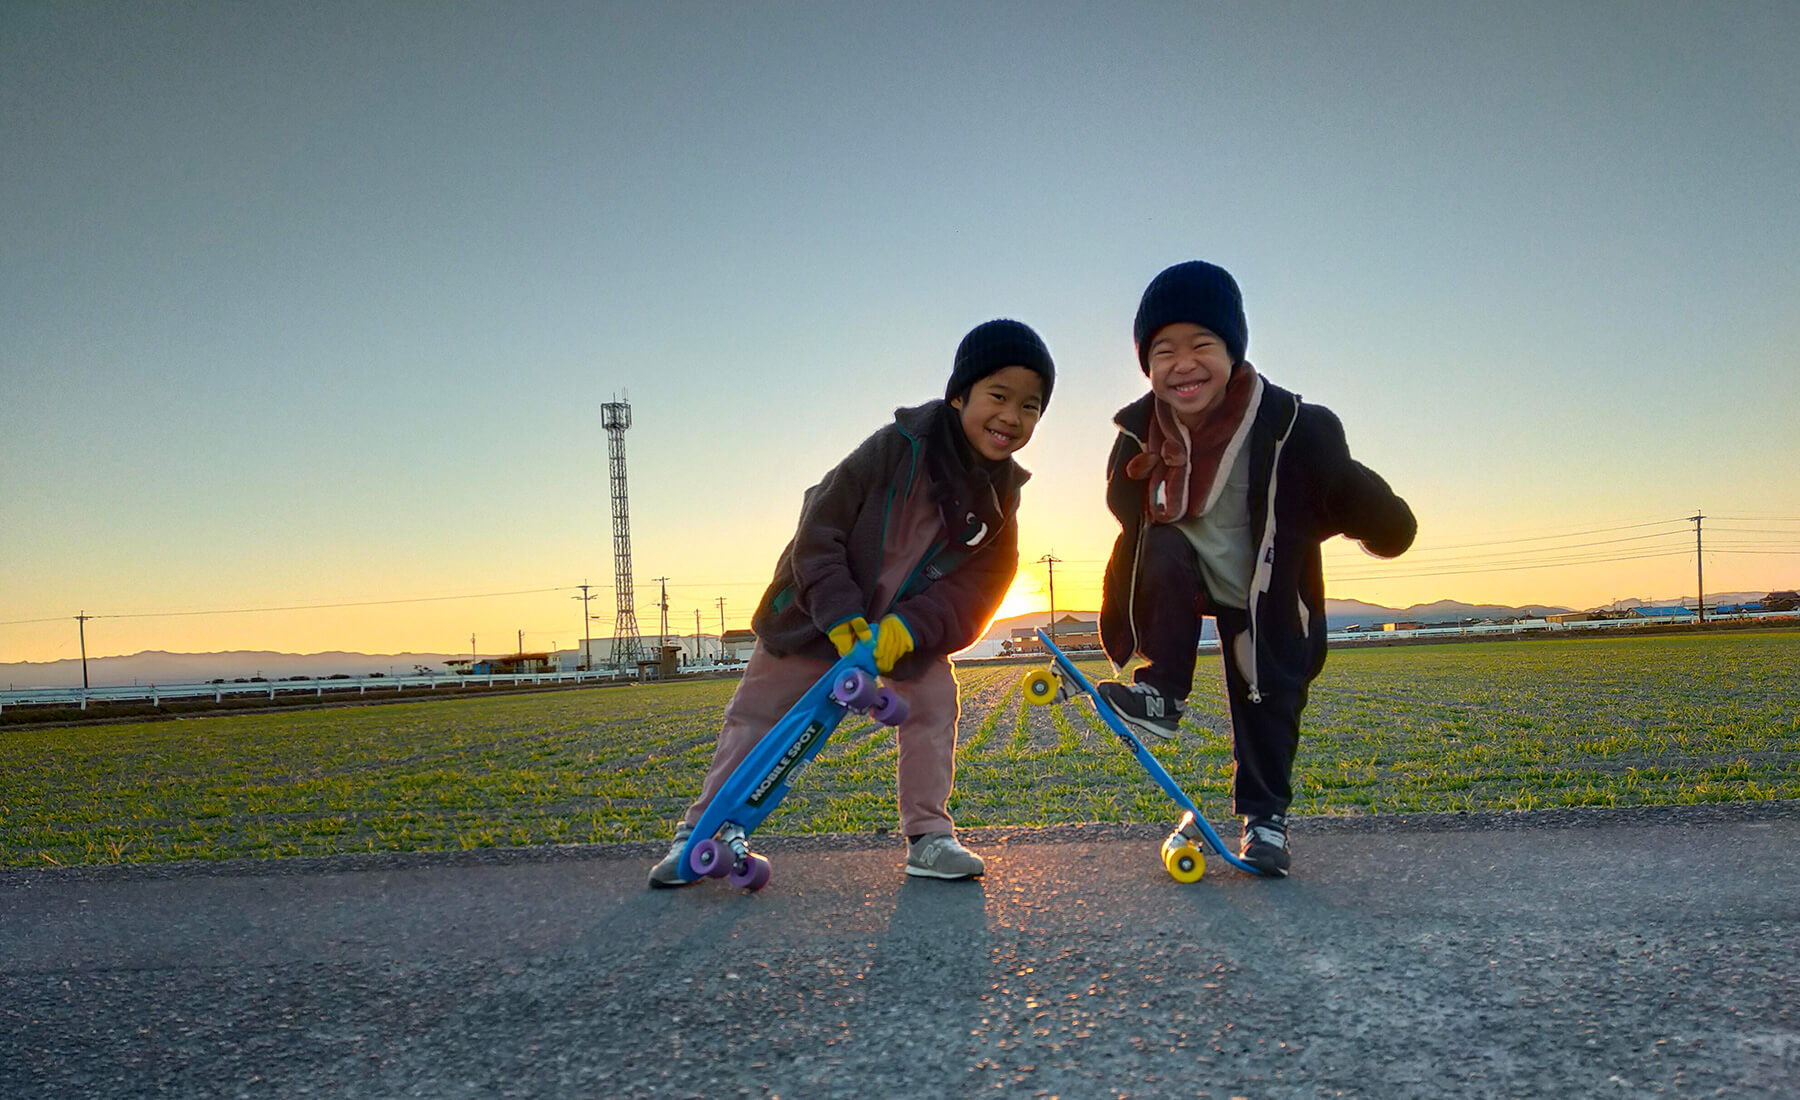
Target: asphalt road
pixel 1624 954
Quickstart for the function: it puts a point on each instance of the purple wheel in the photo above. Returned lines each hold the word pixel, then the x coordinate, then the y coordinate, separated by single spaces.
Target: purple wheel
pixel 754 876
pixel 710 859
pixel 855 689
pixel 889 709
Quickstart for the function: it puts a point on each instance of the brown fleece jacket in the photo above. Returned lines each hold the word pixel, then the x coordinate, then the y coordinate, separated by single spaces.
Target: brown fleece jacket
pixel 828 572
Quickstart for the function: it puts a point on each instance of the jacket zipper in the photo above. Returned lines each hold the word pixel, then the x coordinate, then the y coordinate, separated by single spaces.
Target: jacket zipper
pixel 906 585
pixel 912 468
pixel 1136 558
pixel 1265 554
pixel 940 545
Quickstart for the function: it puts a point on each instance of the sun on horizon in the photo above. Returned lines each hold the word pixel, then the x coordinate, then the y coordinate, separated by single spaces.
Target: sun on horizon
pixel 1024 596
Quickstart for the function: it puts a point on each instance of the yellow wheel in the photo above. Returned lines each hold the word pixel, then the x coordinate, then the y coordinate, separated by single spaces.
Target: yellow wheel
pixel 1040 686
pixel 1183 861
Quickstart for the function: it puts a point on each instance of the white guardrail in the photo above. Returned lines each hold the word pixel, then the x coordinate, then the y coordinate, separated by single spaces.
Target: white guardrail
pixel 1538 626
pixel 363 685
pixel 315 687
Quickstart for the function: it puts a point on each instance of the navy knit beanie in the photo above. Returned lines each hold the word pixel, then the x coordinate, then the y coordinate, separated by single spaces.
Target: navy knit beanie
pixel 992 347
pixel 1196 292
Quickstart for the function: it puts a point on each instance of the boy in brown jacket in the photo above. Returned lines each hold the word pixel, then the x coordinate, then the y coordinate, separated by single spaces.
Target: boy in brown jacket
pixel 914 530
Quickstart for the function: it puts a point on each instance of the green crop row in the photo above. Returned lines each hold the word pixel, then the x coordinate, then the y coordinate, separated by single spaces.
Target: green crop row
pixel 1611 722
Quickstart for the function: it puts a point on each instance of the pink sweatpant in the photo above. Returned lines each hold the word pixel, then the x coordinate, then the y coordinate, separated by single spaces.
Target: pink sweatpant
pixel 927 739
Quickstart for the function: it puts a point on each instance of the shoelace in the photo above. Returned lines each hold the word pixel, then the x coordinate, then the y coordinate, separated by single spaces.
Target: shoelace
pixel 1268 834
pixel 929 852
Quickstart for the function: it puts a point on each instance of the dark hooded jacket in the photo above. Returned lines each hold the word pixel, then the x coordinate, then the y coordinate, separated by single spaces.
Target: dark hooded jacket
pixel 1304 488
pixel 827 574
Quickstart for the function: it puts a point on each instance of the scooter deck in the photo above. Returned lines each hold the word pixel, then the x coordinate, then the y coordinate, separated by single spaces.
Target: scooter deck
pixel 761 780
pixel 1122 730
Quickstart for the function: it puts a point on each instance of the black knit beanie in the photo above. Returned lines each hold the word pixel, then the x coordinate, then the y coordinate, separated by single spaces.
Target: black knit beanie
pixel 992 347
pixel 1196 292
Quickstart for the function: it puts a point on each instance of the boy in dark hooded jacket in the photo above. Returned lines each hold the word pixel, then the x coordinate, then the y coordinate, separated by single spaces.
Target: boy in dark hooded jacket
pixel 1225 485
pixel 914 530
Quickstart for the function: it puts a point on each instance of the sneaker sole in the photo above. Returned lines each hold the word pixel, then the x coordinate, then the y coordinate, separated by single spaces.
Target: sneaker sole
pixel 1158 732
pixel 926 872
pixel 1269 869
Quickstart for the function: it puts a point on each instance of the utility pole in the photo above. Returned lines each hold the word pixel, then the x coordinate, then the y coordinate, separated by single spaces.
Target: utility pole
pixel 1050 560
pixel 1699 569
pixel 472 656
pixel 521 643
pixel 586 631
pixel 81 625
pixel 663 639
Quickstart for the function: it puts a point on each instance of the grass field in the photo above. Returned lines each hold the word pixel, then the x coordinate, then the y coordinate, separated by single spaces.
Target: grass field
pixel 1526 725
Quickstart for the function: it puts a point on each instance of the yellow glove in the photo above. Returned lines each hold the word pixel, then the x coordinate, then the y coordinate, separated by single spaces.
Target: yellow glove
pixel 846 634
pixel 892 643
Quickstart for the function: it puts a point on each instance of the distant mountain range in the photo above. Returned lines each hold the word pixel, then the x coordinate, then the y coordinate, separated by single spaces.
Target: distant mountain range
pixel 159 667
pixel 1338 615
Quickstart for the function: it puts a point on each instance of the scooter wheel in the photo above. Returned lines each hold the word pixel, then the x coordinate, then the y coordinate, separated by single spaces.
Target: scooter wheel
pixel 889 709
pixel 754 875
pixel 855 689
pixel 1183 862
pixel 710 859
pixel 1040 686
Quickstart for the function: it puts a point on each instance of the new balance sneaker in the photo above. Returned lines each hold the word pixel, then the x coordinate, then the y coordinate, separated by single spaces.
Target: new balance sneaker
pixel 1143 706
pixel 665 873
pixel 938 855
pixel 1266 844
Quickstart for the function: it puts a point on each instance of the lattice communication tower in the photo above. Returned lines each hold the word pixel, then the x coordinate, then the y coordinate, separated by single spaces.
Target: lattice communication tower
pixel 615 417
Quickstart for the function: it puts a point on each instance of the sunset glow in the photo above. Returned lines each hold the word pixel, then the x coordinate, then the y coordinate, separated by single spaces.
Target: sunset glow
pixel 1024 597
pixel 316 361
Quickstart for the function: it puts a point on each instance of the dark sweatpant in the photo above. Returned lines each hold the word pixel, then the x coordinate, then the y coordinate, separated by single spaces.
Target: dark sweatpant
pixel 1170 601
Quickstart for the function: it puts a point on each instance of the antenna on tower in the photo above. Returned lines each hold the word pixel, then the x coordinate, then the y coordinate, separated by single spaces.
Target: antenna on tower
pixel 615 417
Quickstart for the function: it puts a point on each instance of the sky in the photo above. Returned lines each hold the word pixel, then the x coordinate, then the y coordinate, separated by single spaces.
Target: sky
pixel 314 306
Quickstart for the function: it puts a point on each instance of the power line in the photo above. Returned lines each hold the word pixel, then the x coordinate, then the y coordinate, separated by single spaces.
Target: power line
pixel 1554 549
pixel 1545 557
pixel 722 584
pixel 1396 575
pixel 1546 538
pixel 1542 551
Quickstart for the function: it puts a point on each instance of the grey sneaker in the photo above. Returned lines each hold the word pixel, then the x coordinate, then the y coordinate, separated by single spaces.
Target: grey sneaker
pixel 1143 707
pixel 665 873
pixel 1266 844
pixel 938 855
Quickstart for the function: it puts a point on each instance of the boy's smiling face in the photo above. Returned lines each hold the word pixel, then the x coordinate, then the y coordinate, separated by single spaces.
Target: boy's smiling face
pixel 1189 366
pixel 1000 412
